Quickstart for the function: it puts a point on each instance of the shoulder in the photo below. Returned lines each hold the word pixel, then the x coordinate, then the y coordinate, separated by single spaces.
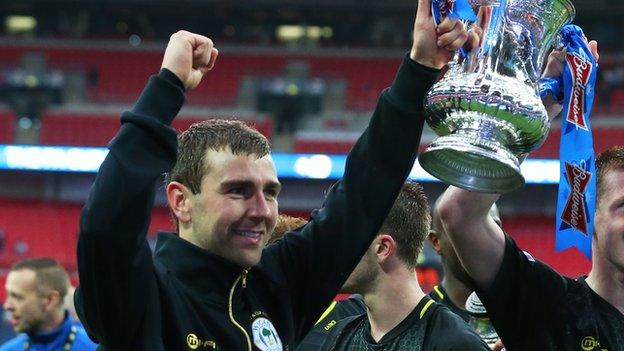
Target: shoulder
pixel 354 305
pixel 336 331
pixel 447 331
pixel 17 343
pixel 83 342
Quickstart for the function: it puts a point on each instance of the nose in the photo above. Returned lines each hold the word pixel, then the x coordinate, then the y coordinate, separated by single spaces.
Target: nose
pixel 259 207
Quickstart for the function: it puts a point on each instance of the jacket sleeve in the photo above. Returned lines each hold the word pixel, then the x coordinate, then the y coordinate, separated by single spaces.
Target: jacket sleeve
pixel 117 293
pixel 317 259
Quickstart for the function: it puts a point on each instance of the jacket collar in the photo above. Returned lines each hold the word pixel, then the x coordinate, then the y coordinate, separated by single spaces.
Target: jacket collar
pixel 50 337
pixel 195 267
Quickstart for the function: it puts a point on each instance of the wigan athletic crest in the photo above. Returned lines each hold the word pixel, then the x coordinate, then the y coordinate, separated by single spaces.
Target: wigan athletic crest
pixel 265 336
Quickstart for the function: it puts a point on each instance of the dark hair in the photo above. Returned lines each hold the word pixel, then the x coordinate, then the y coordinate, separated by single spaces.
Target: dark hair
pixel 408 222
pixel 49 274
pixel 285 223
pixel 609 160
pixel 213 134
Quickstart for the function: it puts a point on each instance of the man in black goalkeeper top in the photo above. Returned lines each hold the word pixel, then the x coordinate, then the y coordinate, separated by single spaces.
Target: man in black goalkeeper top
pixel 531 306
pixel 215 285
pixel 399 314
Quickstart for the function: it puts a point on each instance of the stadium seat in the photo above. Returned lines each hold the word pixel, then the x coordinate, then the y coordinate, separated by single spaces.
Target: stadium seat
pixel 7 127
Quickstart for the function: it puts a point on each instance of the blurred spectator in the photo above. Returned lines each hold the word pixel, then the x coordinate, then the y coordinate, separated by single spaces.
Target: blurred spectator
pixel 36 290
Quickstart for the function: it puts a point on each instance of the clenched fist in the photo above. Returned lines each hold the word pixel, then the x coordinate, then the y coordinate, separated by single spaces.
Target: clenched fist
pixel 189 56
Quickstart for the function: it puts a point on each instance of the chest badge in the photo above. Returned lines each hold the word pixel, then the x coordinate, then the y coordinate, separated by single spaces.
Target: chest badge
pixel 265 336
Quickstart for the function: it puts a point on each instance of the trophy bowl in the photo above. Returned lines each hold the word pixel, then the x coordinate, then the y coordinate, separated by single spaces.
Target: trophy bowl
pixel 486 108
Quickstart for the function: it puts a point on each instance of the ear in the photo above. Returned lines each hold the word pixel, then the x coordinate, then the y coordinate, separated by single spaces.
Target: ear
pixel 53 300
pixel 179 202
pixel 435 241
pixel 385 247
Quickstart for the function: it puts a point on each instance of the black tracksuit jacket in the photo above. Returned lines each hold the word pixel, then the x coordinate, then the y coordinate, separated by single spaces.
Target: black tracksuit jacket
pixel 185 298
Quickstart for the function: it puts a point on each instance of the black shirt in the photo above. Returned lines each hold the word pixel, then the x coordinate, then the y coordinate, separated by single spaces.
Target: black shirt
pixel 338 310
pixel 187 298
pixel 534 308
pixel 430 326
pixel 439 295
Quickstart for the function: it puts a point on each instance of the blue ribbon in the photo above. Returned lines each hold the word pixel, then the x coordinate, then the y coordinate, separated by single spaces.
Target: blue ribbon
pixel 459 9
pixel 576 201
pixel 551 86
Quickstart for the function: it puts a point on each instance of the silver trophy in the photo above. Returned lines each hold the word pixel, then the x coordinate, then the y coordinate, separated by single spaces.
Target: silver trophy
pixel 486 108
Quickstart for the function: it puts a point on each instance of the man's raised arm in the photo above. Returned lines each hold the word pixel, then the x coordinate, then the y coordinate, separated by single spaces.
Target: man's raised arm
pixel 477 239
pixel 114 260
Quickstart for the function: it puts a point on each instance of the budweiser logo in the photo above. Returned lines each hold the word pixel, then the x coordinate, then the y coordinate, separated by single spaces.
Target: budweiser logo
pixel 581 70
pixel 575 212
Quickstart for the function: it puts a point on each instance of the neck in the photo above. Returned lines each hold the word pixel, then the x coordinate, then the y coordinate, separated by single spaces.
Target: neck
pixel 456 291
pixel 56 319
pixel 608 282
pixel 393 299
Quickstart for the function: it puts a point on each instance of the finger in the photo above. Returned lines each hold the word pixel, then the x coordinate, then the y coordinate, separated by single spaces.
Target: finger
pixel 424 9
pixel 213 58
pixel 201 56
pixel 449 37
pixel 448 24
pixel 556 58
pixel 474 38
pixel 200 40
pixel 457 43
pixel 593 47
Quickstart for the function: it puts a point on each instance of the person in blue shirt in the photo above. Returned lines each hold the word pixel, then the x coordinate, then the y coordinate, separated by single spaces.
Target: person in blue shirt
pixel 36 289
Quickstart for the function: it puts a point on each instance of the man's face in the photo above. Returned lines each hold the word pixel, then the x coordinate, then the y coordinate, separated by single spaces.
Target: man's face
pixel 363 276
pixel 25 305
pixel 450 261
pixel 236 210
pixel 609 225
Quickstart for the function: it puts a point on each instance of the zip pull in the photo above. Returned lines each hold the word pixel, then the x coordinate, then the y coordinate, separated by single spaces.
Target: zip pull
pixel 244 283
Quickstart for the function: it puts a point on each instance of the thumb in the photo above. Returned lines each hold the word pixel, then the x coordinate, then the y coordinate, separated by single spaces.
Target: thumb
pixel 424 9
pixel 593 47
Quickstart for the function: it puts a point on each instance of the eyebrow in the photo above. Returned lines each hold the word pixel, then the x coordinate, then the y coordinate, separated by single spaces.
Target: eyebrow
pixel 249 184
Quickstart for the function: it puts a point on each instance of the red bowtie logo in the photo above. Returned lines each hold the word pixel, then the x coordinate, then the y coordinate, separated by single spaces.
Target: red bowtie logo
pixel 574 213
pixel 581 70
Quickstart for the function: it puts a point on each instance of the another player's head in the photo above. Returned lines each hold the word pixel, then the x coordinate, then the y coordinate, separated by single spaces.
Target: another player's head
pixel 223 190
pixel 285 223
pixel 36 289
pixel 398 242
pixel 608 243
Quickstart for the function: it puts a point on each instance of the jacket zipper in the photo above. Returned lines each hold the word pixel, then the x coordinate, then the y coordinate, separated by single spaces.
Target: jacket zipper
pixel 243 276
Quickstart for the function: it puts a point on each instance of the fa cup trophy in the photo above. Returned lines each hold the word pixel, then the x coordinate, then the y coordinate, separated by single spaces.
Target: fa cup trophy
pixel 487 108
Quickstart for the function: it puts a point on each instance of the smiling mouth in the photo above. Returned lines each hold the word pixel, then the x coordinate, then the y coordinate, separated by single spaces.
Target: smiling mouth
pixel 248 234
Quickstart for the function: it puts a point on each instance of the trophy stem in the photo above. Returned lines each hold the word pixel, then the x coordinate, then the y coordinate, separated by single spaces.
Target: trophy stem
pixel 473 163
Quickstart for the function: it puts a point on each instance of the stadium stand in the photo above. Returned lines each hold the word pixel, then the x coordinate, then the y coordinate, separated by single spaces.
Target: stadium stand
pixel 122 81
pixel 92 129
pixel 7 126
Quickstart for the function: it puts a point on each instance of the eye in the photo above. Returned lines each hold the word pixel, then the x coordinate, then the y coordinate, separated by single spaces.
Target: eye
pixel 271 193
pixel 237 191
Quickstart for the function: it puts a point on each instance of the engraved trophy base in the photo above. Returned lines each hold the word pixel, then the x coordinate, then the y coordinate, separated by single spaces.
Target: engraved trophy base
pixel 472 163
